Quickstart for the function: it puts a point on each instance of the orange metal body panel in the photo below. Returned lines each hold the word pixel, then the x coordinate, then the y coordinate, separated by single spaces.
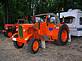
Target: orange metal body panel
pixel 23 39
pixel 39 29
pixel 44 30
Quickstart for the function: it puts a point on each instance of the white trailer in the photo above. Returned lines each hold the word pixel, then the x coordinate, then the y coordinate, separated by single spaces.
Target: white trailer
pixel 73 18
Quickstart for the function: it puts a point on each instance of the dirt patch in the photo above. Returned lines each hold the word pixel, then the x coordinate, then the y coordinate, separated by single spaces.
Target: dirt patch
pixel 52 53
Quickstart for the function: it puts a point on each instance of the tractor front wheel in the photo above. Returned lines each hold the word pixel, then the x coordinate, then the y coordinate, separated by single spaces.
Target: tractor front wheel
pixel 18 44
pixel 33 45
pixel 63 35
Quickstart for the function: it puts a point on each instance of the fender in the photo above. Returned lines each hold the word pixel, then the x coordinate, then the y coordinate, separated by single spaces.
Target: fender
pixel 28 37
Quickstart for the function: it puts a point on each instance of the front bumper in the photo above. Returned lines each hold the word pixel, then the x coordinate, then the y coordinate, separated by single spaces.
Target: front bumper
pixel 23 40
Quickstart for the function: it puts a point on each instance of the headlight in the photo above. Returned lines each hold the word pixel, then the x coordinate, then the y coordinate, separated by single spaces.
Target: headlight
pixel 24 30
pixel 14 39
pixel 17 29
pixel 6 28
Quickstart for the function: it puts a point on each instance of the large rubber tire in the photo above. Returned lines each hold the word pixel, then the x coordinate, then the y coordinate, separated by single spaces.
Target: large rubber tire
pixel 33 45
pixel 18 45
pixel 62 40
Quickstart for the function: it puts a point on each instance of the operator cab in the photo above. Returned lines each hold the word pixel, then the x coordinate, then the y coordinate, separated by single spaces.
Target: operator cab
pixel 48 17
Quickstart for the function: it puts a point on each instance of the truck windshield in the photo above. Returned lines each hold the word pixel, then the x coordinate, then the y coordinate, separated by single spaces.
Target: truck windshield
pixel 68 20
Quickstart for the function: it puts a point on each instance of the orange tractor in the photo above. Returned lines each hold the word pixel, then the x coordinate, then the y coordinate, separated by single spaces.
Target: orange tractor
pixel 10 29
pixel 33 34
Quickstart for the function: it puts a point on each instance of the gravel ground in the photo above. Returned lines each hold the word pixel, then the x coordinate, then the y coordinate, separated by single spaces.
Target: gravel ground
pixel 51 53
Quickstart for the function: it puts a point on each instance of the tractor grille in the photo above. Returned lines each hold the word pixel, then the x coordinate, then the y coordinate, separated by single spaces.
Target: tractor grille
pixel 20 31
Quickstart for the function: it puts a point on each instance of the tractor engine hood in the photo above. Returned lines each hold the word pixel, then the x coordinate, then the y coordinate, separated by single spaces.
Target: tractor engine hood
pixel 22 28
pixel 25 26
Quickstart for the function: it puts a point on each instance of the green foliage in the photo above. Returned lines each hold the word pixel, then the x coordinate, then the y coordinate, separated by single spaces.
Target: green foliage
pixel 1 11
pixel 21 8
pixel 2 14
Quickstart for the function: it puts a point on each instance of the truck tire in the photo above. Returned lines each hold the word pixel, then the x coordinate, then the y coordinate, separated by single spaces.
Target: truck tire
pixel 18 45
pixel 63 35
pixel 33 45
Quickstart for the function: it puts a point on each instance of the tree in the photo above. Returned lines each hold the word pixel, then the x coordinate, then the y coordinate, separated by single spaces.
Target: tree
pixel 12 9
pixel 2 14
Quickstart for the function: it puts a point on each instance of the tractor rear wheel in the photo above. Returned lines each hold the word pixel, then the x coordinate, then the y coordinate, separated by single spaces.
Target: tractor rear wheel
pixel 63 35
pixel 18 44
pixel 33 45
